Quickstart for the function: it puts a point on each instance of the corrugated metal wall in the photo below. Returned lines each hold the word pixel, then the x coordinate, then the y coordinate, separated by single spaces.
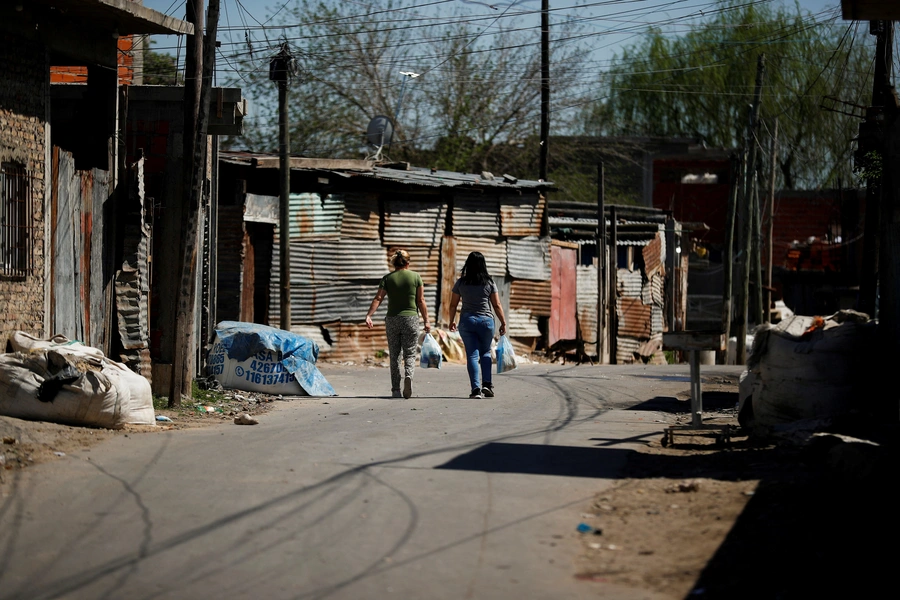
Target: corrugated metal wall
pixel 414 223
pixel 333 260
pixel 493 249
pixel 361 218
pixel 528 258
pixel 424 260
pixel 521 215
pixel 230 251
pixel 314 217
pixel 476 216
pixel 530 295
pixel 587 302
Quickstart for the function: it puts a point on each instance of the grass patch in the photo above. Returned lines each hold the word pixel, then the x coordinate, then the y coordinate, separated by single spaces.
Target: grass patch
pixel 211 397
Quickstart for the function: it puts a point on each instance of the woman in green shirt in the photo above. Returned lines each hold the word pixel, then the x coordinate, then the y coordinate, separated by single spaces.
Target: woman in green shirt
pixel 405 293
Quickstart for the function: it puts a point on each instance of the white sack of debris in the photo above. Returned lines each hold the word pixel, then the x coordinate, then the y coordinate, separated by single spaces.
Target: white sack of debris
pixel 807 368
pixel 64 381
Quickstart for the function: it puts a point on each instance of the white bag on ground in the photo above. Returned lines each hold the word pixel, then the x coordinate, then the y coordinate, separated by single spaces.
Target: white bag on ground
pixel 80 386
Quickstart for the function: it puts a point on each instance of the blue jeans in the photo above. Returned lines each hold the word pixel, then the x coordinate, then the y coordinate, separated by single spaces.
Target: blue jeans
pixel 477 332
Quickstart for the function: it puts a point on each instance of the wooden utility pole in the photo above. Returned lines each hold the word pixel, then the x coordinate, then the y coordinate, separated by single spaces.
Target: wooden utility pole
pixel 198 81
pixel 280 70
pixel 871 144
pixel 611 290
pixel 749 182
pixel 545 89
pixel 737 177
pixel 601 260
pixel 756 257
pixel 770 214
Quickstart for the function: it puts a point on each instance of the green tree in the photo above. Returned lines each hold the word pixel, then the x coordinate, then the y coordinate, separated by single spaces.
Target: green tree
pixel 160 69
pixel 474 104
pixel 701 83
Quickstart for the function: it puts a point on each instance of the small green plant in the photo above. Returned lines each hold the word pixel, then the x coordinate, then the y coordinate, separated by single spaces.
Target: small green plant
pixel 206 396
pixel 670 356
pixel 160 402
pixel 380 353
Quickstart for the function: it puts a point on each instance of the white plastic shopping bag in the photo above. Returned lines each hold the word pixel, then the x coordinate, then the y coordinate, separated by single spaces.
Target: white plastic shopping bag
pixel 431 353
pixel 506 356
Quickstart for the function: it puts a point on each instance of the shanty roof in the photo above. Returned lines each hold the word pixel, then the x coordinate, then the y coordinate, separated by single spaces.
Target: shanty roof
pixel 401 173
pixel 124 16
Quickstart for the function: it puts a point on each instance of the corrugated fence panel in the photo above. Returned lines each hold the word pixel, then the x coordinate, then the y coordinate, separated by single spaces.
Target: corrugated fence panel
pixel 521 215
pixel 333 260
pixel 414 223
pixel 338 301
pixel 476 216
pixel 494 251
pixel 314 217
pixel 629 283
pixel 424 260
pixel 587 302
pixel 634 318
pixel 522 323
pixel 655 255
pixel 656 320
pixel 528 258
pixel 531 295
pixel 626 349
pixel 657 290
pixel 355 342
pixel 361 218
pixel 261 209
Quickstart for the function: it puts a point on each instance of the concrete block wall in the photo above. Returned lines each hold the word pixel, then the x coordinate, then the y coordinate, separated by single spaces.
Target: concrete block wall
pixel 24 97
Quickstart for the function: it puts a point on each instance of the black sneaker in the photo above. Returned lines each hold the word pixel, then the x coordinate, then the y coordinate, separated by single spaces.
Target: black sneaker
pixel 488 391
pixel 476 393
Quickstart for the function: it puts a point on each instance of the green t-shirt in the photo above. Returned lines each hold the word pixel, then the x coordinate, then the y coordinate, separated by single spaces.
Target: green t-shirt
pixel 401 286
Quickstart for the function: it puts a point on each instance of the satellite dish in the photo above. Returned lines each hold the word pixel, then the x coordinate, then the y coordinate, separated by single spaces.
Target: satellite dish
pixel 379 134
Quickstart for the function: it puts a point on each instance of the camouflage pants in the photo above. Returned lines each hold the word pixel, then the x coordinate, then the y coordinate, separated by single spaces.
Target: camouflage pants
pixel 403 337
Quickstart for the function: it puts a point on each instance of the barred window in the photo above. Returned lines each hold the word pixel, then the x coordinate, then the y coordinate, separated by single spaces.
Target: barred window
pixel 16 221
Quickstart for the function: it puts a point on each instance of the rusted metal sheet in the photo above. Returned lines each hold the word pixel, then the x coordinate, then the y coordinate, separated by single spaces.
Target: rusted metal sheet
pixel 476 216
pixel 424 260
pixel 132 281
pixel 657 324
pixel 629 283
pixel 354 342
pixel 494 252
pixel 361 219
pixel 627 348
pixel 261 209
pixel 414 223
pixel 337 301
pixel 528 258
pixel 448 276
pixel 315 217
pixel 230 252
pixel 530 295
pixel 587 302
pixel 655 255
pixel 634 318
pixel 563 308
pixel 657 290
pixel 333 260
pixel 521 215
pixel 248 277
pixel 522 323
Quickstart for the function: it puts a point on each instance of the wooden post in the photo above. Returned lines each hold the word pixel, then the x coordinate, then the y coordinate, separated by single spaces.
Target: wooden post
pixel 770 211
pixel 545 90
pixel 756 258
pixel 284 238
pixel 728 258
pixel 613 262
pixel 743 309
pixel 197 93
pixel 601 257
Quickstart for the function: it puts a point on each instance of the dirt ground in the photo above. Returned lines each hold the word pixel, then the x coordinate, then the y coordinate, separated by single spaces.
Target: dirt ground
pixel 693 519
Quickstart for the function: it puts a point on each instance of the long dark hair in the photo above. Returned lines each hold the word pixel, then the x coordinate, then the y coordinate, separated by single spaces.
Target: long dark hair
pixel 475 270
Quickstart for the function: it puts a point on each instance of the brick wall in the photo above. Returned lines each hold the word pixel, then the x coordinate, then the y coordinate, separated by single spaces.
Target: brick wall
pixel 24 93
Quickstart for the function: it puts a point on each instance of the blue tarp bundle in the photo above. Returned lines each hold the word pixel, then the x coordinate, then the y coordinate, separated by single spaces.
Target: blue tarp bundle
pixel 298 354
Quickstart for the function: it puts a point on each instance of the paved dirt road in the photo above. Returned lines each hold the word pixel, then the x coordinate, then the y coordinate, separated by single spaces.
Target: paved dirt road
pixel 359 496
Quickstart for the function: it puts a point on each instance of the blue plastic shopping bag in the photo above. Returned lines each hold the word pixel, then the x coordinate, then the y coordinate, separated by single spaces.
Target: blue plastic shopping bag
pixel 506 356
pixel 431 353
